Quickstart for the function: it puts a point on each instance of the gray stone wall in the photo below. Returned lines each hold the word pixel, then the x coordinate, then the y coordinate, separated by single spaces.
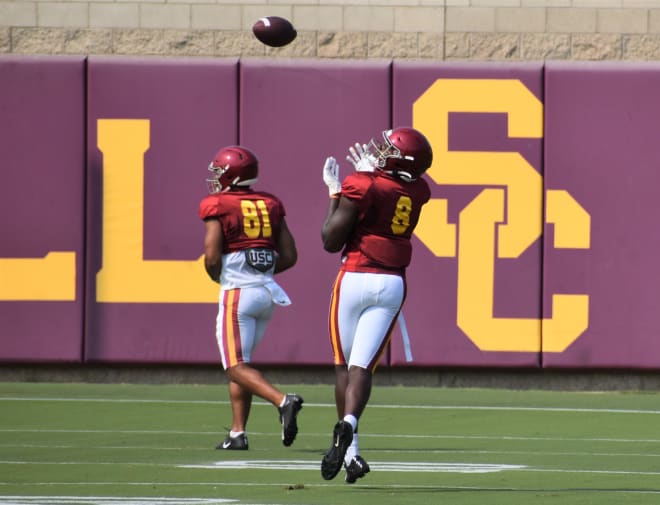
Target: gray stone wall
pixel 400 29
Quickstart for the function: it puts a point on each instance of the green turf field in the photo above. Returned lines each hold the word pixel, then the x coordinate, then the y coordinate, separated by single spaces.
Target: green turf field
pixel 154 444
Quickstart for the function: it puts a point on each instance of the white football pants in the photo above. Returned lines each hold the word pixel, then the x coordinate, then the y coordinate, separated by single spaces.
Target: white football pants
pixel 242 319
pixel 363 311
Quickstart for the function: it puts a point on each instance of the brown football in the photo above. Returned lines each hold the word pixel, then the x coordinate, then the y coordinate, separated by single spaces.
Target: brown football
pixel 274 31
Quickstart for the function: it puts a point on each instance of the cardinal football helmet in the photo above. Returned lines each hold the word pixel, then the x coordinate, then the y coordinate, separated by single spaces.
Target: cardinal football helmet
pixel 232 166
pixel 405 153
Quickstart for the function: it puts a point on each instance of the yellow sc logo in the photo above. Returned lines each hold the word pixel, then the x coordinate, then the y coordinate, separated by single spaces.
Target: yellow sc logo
pixel 512 219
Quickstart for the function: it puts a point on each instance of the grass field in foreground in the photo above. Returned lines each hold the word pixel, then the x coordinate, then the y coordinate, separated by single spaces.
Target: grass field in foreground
pixel 154 444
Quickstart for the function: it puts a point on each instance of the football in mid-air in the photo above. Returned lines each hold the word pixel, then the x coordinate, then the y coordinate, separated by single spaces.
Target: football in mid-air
pixel 274 31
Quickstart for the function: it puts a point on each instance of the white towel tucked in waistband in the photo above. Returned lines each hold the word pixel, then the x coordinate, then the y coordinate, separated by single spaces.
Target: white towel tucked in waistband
pixel 277 293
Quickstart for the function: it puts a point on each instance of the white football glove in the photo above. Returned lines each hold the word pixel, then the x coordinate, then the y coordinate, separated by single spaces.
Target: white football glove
pixel 331 176
pixel 361 158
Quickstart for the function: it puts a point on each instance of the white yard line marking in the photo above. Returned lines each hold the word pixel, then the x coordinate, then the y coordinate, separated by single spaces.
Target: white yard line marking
pixel 151 484
pixel 321 484
pixel 510 408
pixel 516 453
pixel 105 500
pixel 380 451
pixel 604 472
pixel 384 466
pixel 398 466
pixel 83 463
pixel 366 435
pixel 92 500
pixel 513 437
pixel 134 432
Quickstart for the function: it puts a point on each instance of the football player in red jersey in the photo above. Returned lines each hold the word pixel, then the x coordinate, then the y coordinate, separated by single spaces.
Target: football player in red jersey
pixel 371 217
pixel 247 241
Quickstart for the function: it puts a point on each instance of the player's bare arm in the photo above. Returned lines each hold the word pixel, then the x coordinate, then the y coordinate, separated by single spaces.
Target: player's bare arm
pixel 339 223
pixel 213 248
pixel 286 249
pixel 342 213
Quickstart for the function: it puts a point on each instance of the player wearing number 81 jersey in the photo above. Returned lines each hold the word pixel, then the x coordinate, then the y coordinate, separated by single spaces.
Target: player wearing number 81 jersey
pixel 247 242
pixel 371 217
pixel 251 223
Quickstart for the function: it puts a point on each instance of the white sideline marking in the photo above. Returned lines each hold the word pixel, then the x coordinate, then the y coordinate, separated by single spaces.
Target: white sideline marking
pixel 332 405
pixel 107 500
pixel 385 466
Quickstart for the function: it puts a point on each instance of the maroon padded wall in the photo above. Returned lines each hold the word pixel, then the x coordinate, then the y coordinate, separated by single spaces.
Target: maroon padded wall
pixel 537 249
pixel 190 105
pixel 294 114
pixel 602 123
pixel 42 124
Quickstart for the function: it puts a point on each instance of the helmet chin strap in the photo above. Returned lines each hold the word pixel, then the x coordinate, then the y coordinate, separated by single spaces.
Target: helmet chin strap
pixel 401 174
pixel 406 176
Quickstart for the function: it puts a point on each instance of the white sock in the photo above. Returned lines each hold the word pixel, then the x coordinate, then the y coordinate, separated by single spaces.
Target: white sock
pixel 353 450
pixel 234 434
pixel 352 420
pixel 283 401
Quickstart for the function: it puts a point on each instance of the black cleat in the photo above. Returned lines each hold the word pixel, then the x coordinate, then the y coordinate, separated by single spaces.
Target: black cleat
pixel 239 443
pixel 342 436
pixel 288 414
pixel 357 469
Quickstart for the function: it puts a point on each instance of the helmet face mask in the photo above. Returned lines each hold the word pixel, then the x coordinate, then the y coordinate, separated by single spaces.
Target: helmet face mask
pixel 404 153
pixel 232 166
pixel 213 184
pixel 382 150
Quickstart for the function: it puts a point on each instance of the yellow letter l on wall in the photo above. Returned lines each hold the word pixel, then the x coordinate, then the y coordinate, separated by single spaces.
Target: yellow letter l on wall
pixel 125 277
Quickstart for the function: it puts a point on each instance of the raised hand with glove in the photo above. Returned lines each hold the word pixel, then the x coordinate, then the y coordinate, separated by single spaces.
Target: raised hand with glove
pixel 331 176
pixel 361 158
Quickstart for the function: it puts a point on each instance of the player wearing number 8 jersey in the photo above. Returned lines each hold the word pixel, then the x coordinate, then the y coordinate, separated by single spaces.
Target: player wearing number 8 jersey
pixel 387 211
pixel 371 218
pixel 247 241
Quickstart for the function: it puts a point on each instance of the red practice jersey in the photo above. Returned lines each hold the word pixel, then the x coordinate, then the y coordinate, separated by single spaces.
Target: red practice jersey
pixel 388 211
pixel 249 219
